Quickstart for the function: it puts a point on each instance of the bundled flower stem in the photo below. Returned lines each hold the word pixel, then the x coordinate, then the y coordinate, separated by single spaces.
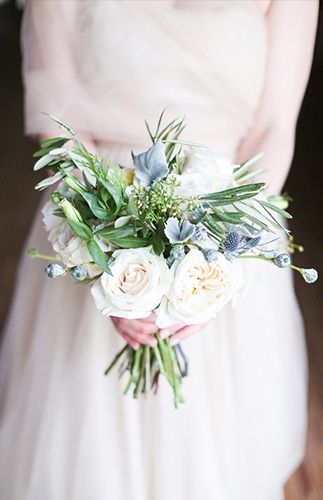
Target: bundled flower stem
pixel 146 364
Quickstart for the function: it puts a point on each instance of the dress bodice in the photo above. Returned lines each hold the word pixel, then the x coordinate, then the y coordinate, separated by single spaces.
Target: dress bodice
pixel 122 61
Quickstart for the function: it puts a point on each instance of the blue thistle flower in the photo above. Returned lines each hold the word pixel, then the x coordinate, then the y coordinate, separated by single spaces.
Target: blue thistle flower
pixel 55 270
pixel 177 253
pixel 199 235
pixel 210 254
pixel 232 242
pixel 79 273
pixel 252 242
pixel 282 260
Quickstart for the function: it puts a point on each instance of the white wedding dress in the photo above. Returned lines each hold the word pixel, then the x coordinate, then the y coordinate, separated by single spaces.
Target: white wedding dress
pixel 67 432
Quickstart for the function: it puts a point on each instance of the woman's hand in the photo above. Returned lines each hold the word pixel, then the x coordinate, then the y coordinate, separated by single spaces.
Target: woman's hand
pixel 179 332
pixel 137 331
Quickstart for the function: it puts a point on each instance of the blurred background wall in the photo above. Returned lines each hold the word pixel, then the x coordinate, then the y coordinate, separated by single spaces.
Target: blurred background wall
pixel 19 202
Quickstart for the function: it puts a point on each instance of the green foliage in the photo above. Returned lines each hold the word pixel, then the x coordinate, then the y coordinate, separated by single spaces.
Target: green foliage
pixel 275 208
pixel 50 144
pixel 131 242
pixel 98 256
pixel 158 238
pixel 159 202
pixel 81 230
pixel 110 232
pixel 233 194
pixel 97 197
pixel 97 207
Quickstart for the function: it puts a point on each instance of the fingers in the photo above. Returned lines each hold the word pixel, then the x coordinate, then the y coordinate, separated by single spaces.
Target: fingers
pixel 183 333
pixel 139 331
pixel 150 319
pixel 138 325
pixel 166 332
pixel 136 330
pixel 142 338
pixel 134 344
pixel 142 327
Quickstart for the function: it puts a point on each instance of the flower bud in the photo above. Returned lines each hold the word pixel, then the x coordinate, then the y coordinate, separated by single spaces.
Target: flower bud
pixel 210 254
pixel 73 184
pixel 79 273
pixel 32 252
pixel 55 270
pixel 309 275
pixel 177 253
pixel 199 235
pixel 70 212
pixel 253 241
pixel 282 260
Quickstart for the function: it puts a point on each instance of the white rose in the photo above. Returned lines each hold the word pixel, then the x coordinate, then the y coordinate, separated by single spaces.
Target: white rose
pixel 70 248
pixel 139 281
pixel 199 290
pixel 205 172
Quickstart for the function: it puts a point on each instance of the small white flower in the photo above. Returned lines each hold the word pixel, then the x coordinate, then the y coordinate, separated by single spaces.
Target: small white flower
pixel 199 290
pixel 139 281
pixel 205 172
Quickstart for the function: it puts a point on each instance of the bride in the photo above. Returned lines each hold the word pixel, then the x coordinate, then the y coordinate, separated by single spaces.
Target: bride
pixel 238 71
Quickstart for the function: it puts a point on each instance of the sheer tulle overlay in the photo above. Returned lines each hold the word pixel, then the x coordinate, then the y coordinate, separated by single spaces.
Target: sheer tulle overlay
pixel 67 431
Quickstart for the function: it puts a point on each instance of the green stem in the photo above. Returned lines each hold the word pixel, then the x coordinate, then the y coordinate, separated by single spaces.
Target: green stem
pixel 178 362
pixel 184 143
pixel 169 363
pixel 296 268
pixel 33 253
pixel 260 257
pixel 165 357
pixel 178 397
pixel 134 369
pixel 158 357
pixel 141 373
pixel 147 369
pixel 115 359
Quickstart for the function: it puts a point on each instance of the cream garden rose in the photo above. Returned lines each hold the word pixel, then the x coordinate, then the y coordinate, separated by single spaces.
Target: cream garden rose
pixel 199 290
pixel 70 248
pixel 205 172
pixel 138 283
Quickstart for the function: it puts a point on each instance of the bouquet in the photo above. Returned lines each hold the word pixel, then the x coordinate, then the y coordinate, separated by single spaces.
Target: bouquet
pixel 169 233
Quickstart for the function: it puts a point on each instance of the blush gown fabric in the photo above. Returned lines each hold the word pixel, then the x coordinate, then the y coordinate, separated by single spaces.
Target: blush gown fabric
pixel 67 432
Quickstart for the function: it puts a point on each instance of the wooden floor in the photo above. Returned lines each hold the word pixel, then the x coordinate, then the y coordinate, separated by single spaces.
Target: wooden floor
pixel 19 201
